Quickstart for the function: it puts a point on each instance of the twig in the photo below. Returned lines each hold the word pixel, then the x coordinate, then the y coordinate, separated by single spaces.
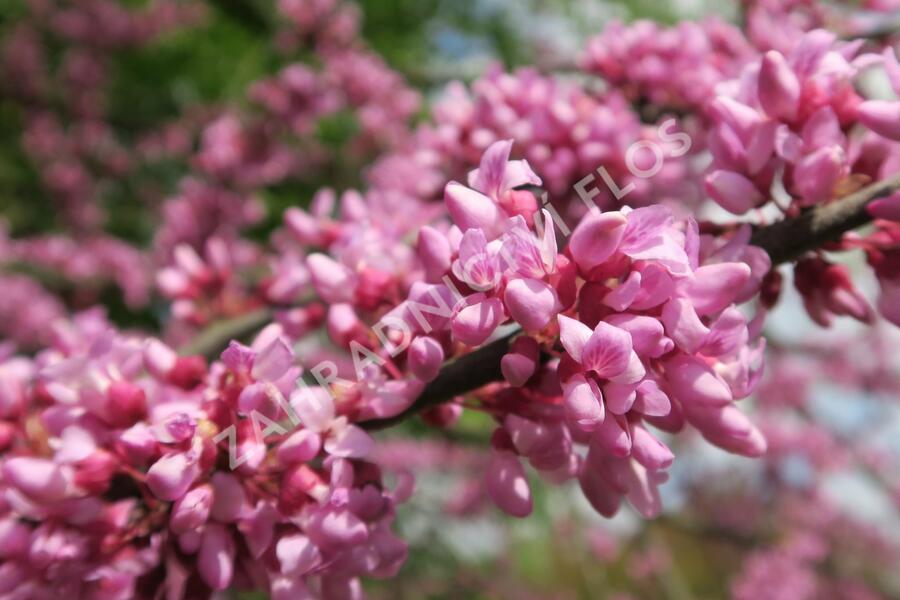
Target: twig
pixel 789 239
pixel 213 339
pixel 784 241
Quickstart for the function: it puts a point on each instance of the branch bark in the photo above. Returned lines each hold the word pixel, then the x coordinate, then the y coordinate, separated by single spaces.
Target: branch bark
pixel 789 239
pixel 784 241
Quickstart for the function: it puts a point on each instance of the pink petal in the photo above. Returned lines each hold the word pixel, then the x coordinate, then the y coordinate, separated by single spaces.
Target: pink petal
pixel 683 325
pixel 475 323
pixel 693 382
pixel 425 358
pixel 715 286
pixel 215 561
pixel 488 177
pixel 531 303
pixel 506 484
pixel 583 402
pixel 301 446
pixel 648 450
pixel 882 117
pixel 647 334
pixel 613 436
pixel 273 361
pixel 297 555
pixel 651 400
pixel 778 87
pixel 191 511
pixel 596 238
pixel 574 336
pixel 314 406
pixel 472 210
pixel 520 363
pixel 608 351
pixel 621 297
pixel 40 479
pixel 349 442
pixel 732 191
pixel 230 499
pixel 171 476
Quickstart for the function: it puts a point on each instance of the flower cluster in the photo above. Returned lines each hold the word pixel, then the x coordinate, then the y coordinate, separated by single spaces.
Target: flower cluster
pixel 676 68
pixel 607 320
pixel 793 114
pixel 126 467
pixel 561 128
pixel 643 309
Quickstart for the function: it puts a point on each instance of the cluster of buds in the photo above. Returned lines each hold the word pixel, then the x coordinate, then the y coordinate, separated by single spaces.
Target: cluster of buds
pixel 126 468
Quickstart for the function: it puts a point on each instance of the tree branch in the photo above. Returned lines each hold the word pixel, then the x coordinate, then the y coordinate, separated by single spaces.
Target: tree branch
pixel 211 341
pixel 785 241
pixel 466 373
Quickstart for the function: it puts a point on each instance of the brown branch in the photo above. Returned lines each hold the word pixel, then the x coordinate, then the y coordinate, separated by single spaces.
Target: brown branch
pixel 789 239
pixel 784 241
pixel 466 373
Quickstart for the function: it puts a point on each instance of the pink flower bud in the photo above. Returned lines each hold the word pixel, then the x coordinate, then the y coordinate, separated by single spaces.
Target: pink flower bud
pixel 648 450
pixel 7 435
pixel 37 478
pixel 474 324
pixel 732 191
pixel 344 325
pixel 298 485
pixel 332 280
pixel 229 498
pixel 191 511
pixel 301 446
pixel 94 473
pixel 597 490
pixel 520 363
pixel 425 358
pixel 307 229
pixel 531 303
pixel 693 382
pixel 506 484
pixel 159 359
pixel 126 404
pixel 728 428
pixel 137 444
pixel 215 562
pixel 434 252
pixel 171 476
pixel 188 372
pixel 886 208
pixel 297 555
pixel 14 537
pixel 472 210
pixel 778 87
pixel 882 117
pixel 596 238
pixel 443 416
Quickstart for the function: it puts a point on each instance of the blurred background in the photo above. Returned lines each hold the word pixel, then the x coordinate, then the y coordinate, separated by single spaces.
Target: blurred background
pixel 105 115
